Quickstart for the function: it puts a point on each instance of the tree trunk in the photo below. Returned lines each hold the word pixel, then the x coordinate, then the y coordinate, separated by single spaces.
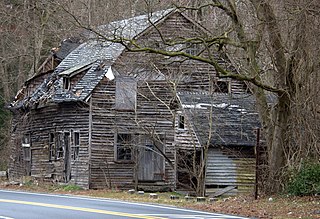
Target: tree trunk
pixel 278 142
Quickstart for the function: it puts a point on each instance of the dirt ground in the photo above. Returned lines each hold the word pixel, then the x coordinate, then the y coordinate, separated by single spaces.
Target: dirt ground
pixel 265 207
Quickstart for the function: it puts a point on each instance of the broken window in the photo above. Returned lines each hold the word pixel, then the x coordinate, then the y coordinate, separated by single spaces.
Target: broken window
pixel 26 141
pixel 66 83
pixel 126 93
pixel 60 144
pixel 123 147
pixel 181 122
pixel 52 147
pixel 221 87
pixel 76 146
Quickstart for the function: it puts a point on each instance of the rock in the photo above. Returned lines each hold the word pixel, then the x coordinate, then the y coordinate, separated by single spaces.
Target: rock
pixel 14 183
pixel 3 174
pixel 213 199
pixel 316 212
pixel 131 191
pixel 201 199
pixel 153 195
pixel 188 198
pixel 174 197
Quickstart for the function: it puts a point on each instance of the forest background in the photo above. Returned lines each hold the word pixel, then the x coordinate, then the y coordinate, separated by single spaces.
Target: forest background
pixel 275 43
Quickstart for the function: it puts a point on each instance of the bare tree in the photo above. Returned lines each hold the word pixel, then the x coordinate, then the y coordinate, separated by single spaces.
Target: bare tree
pixel 274 49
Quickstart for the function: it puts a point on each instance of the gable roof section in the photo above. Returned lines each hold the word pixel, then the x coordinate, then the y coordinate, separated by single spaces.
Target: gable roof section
pixel 94 51
pixel 233 118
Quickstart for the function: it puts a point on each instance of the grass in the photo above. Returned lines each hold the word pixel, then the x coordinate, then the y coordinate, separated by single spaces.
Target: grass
pixel 280 206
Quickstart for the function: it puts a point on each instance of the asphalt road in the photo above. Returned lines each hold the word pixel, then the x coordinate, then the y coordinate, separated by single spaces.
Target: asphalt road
pixel 20 205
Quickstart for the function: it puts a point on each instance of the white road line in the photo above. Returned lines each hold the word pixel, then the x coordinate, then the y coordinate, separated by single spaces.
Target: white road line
pixel 4 217
pixel 131 203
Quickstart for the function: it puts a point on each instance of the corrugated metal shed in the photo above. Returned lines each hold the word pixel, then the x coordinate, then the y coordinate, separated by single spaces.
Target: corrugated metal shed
pixel 229 168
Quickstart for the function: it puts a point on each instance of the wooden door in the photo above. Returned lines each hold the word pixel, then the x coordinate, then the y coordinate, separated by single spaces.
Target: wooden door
pixel 150 162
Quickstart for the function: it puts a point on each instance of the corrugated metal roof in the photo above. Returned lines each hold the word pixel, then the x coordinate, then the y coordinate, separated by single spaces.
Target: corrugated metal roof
pixel 230 119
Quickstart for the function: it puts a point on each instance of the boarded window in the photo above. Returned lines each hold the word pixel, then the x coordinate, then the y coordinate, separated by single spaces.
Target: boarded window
pixel 126 93
pixel 123 147
pixel 52 147
pixel 76 146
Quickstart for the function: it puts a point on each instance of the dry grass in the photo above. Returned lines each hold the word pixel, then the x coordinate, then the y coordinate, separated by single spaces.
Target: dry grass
pixel 279 207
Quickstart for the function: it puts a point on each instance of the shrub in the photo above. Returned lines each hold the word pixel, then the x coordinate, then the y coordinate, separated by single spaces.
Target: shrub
pixel 305 181
pixel 72 187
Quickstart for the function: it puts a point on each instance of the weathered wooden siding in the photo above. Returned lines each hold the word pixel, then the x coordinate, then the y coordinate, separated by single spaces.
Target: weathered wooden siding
pixel 230 168
pixel 38 124
pixel 187 75
pixel 185 138
pixel 150 115
pixel 158 80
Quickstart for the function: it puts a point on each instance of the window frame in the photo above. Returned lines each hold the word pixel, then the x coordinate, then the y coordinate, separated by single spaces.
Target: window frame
pixel 181 122
pixel 75 146
pixel 52 147
pixel 222 86
pixel 26 147
pixel 127 146
pixel 66 83
pixel 26 140
pixel 126 94
pixel 192 49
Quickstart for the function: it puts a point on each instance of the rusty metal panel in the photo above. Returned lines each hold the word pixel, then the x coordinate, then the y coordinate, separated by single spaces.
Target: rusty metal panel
pixel 229 168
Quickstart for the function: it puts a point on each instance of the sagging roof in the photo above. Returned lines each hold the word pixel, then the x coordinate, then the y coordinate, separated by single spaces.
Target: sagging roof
pixel 89 55
pixel 231 119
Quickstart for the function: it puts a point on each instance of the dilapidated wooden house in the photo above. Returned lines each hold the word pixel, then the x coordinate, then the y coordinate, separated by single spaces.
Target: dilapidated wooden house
pixel 98 115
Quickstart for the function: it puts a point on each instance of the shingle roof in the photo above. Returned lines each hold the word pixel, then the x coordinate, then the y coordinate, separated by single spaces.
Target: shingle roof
pixel 93 51
pixel 66 47
pixel 232 118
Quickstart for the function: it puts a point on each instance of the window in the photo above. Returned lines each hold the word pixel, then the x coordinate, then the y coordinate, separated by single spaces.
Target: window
pixel 52 147
pixel 123 149
pixel 66 83
pixel 76 146
pixel 221 87
pixel 26 154
pixel 26 141
pixel 181 122
pixel 126 93
pixel 192 49
pixel 60 144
